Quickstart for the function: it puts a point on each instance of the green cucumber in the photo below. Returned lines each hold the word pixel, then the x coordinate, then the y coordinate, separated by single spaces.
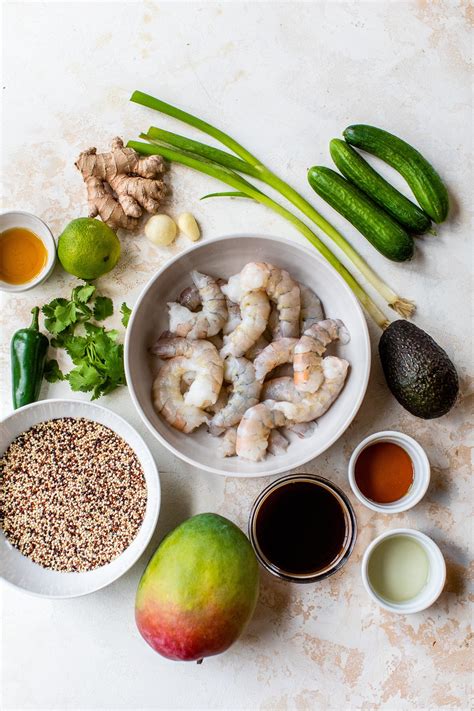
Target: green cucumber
pixel 424 181
pixel 358 171
pixel 383 233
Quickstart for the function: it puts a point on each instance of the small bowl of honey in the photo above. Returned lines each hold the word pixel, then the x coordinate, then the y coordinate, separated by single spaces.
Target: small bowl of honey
pixel 389 472
pixel 27 251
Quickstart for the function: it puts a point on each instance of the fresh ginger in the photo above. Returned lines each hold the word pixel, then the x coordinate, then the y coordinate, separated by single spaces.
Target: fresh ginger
pixel 121 184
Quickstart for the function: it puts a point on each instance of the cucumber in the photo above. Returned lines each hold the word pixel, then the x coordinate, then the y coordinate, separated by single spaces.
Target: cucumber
pixel 358 171
pixel 424 181
pixel 383 233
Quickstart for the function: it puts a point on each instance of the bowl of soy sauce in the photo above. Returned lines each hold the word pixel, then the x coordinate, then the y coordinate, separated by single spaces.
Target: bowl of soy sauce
pixel 302 528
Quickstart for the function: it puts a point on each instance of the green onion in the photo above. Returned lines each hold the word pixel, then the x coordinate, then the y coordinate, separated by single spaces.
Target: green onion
pixel 236 181
pixel 226 193
pixel 250 165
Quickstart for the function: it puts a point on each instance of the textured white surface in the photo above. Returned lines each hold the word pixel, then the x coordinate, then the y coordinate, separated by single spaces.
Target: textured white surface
pixel 284 79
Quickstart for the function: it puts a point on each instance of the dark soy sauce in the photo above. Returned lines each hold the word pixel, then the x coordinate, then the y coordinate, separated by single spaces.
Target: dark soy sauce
pixel 301 527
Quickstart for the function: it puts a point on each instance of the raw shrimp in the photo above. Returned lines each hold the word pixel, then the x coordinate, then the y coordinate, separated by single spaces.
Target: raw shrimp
pixel 281 389
pixel 273 328
pixel 204 323
pixel 226 446
pixel 254 311
pixel 308 352
pixel 276 353
pixel 200 357
pixel 168 399
pixel 245 393
pixel 277 443
pixel 255 427
pixel 313 405
pixel 233 312
pixel 234 318
pixel 311 308
pixel 190 298
pixel 280 287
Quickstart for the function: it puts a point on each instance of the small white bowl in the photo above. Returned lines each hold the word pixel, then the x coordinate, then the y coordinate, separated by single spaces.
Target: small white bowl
pixel 41 230
pixel 21 572
pixel 436 578
pixel 223 257
pixel 421 472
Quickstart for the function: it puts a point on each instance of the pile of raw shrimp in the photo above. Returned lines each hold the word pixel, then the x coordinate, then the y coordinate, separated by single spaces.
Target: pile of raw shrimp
pixel 225 341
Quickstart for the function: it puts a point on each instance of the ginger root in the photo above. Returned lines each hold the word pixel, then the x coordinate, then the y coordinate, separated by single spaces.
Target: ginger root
pixel 120 184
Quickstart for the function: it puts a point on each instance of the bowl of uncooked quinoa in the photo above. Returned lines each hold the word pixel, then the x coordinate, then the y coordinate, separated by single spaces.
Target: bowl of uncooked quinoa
pixel 79 498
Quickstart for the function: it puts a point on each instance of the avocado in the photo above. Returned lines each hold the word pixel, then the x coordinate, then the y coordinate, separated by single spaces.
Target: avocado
pixel 418 372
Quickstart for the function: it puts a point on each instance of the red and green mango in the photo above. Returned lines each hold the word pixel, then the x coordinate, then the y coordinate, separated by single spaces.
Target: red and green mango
pixel 199 590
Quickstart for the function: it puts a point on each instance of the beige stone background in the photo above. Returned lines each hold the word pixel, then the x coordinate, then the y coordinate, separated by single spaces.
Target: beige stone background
pixel 283 78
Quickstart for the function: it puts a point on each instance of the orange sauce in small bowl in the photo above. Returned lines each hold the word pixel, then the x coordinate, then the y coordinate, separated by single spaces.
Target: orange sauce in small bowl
pixel 22 255
pixel 384 472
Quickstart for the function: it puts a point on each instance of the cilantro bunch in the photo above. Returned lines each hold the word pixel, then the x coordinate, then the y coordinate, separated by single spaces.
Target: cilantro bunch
pixel 94 351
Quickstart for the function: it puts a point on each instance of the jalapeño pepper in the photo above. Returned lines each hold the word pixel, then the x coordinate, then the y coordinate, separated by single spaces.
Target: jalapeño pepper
pixel 28 355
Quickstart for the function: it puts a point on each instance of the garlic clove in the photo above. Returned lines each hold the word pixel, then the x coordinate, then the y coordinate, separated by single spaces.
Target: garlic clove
pixel 161 230
pixel 188 225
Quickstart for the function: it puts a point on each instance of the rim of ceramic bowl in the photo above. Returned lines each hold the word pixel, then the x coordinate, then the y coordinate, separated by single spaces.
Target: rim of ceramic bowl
pixel 421 471
pixel 46 236
pixel 305 458
pixel 437 567
pixel 153 495
pixel 349 516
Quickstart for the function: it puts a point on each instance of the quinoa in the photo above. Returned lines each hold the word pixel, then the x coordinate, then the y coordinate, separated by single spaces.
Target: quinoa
pixel 72 494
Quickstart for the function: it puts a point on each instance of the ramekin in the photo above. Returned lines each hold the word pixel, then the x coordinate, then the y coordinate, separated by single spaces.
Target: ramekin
pixel 421 472
pixel 436 579
pixel 28 221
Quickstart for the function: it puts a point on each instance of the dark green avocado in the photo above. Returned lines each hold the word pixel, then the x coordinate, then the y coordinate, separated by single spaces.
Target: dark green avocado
pixel 418 372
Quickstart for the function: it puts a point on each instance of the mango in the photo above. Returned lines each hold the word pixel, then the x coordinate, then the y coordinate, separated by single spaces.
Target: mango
pixel 199 590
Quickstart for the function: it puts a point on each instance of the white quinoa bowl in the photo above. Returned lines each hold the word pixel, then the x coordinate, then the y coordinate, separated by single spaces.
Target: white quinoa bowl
pixel 222 257
pixel 19 570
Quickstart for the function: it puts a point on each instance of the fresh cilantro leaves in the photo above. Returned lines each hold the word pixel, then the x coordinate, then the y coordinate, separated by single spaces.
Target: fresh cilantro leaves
pixel 52 372
pixel 54 313
pixel 62 314
pixel 103 307
pixel 83 294
pixel 125 311
pixel 95 352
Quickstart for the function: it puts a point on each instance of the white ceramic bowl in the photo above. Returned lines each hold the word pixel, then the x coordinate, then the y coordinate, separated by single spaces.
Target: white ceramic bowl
pixel 421 472
pixel 436 578
pixel 223 257
pixel 20 571
pixel 41 230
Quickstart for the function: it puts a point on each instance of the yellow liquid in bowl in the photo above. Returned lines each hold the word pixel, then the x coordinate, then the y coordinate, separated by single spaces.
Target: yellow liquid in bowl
pixel 22 255
pixel 398 568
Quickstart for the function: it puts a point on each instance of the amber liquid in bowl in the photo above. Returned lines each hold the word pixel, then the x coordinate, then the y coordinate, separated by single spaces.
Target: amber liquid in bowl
pixel 384 472
pixel 22 255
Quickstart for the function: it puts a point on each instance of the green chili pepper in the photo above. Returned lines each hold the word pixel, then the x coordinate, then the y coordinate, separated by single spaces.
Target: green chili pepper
pixel 28 355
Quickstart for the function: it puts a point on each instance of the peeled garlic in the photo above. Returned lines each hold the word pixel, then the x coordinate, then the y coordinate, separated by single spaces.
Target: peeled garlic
pixel 188 225
pixel 161 230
